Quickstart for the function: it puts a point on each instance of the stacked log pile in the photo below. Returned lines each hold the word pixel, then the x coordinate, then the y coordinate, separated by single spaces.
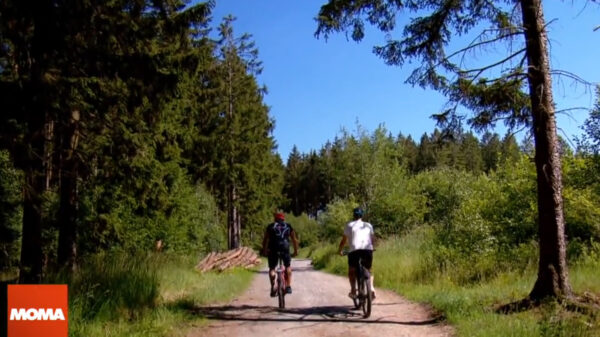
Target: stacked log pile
pixel 243 257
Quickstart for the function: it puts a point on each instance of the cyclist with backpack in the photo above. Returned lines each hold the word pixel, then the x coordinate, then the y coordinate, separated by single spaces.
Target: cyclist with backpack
pixel 275 245
pixel 360 237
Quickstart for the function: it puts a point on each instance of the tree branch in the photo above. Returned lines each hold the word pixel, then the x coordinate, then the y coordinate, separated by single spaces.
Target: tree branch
pixel 572 76
pixel 479 71
pixel 572 109
pixel 515 75
pixel 481 43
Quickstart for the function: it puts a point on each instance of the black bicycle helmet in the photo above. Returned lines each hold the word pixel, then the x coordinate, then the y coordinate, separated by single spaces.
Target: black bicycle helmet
pixel 358 212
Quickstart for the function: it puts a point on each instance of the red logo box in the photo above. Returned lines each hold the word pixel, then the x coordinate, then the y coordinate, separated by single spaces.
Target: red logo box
pixel 38 310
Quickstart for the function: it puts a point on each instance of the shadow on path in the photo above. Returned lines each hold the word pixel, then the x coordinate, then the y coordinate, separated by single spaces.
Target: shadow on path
pixel 309 314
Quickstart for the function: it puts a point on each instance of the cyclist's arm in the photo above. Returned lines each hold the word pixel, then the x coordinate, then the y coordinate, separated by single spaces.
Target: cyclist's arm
pixel 342 244
pixel 294 241
pixel 373 237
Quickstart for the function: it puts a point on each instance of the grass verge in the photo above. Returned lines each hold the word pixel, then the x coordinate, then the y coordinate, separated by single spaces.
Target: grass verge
pixel 145 295
pixel 404 265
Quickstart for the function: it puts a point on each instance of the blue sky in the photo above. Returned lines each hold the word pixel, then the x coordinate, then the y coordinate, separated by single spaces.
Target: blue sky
pixel 318 87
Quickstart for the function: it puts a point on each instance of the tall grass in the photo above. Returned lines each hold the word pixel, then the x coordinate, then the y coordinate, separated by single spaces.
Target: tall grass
pixel 468 292
pixel 144 295
pixel 110 286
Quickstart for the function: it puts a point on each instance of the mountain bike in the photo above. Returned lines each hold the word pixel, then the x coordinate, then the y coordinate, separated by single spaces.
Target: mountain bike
pixel 281 284
pixel 364 298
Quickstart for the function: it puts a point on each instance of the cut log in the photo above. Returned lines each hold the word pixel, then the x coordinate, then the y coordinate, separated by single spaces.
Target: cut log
pixel 205 260
pixel 243 257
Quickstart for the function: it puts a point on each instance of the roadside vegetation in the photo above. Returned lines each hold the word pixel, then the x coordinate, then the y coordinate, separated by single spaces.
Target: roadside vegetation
pixel 145 295
pixel 464 240
pixel 404 265
pixel 118 172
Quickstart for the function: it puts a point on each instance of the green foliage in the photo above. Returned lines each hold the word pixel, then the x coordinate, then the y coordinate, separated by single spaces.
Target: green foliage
pixel 338 213
pixel 167 121
pixel 377 167
pixel 10 214
pixel 590 141
pixel 582 214
pixel 487 220
pixel 478 225
pixel 307 229
pixel 397 203
pixel 183 217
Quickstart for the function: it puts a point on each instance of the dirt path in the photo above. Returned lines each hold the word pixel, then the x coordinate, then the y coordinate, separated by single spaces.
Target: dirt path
pixel 319 306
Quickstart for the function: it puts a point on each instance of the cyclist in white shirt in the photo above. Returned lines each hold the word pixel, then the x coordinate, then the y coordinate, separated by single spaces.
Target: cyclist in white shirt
pixel 360 237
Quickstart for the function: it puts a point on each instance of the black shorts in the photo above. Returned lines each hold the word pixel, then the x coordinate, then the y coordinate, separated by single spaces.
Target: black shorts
pixel 274 258
pixel 363 254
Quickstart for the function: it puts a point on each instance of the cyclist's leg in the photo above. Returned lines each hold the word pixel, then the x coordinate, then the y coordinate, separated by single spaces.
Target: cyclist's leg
pixel 367 261
pixel 287 261
pixel 272 258
pixel 352 267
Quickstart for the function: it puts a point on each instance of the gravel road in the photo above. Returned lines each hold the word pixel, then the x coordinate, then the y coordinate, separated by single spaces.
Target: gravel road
pixel 319 306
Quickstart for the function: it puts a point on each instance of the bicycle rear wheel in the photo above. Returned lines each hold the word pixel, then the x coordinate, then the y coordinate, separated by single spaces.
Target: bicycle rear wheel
pixel 281 290
pixel 356 298
pixel 368 294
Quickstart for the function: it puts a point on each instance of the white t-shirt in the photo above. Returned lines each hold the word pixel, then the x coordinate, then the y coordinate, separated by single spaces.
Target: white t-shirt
pixel 359 235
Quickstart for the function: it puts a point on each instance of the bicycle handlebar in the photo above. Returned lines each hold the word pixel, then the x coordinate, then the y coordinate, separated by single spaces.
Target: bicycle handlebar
pixel 346 252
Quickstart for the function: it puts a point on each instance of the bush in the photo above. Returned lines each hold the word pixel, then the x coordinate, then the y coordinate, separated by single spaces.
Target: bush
pixel 333 220
pixel 582 214
pixel 397 205
pixel 306 228
pixel 185 217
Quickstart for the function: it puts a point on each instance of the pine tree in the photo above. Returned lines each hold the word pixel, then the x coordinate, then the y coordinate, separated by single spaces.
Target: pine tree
pixel 246 145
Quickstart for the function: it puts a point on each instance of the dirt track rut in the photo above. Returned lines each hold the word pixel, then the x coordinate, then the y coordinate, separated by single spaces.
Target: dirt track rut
pixel 319 306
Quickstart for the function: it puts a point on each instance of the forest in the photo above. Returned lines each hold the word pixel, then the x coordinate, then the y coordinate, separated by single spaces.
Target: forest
pixel 125 124
pixel 139 129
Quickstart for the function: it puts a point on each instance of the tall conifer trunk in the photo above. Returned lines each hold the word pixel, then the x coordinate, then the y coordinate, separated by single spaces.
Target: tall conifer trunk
pixel 233 220
pixel 67 213
pixel 553 278
pixel 31 265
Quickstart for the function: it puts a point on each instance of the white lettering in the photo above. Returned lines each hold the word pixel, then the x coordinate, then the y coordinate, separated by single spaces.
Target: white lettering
pixel 17 315
pixel 37 314
pixel 58 315
pixel 32 314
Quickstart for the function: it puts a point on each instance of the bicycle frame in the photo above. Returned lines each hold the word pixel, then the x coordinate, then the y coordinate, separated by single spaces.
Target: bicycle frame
pixel 281 284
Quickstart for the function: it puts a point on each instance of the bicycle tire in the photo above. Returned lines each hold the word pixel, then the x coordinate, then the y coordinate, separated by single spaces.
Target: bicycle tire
pixel 361 289
pixel 281 290
pixel 356 298
pixel 368 298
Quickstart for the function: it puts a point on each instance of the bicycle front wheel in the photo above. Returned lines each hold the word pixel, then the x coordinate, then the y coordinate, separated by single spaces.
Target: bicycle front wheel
pixel 368 296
